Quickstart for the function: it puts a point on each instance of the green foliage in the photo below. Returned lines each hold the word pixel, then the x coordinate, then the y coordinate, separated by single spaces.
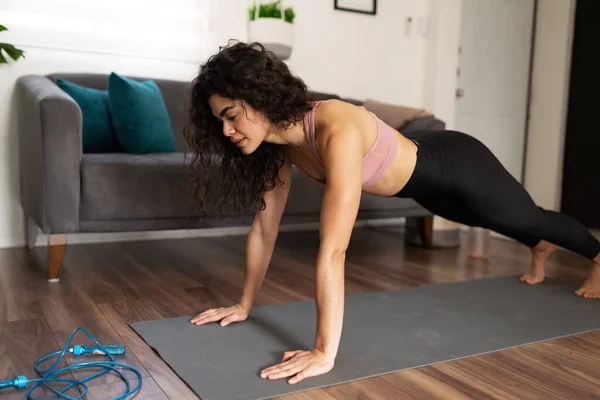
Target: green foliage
pixel 272 10
pixel 9 49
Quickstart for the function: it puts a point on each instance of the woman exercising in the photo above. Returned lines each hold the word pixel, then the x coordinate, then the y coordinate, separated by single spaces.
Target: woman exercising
pixel 251 112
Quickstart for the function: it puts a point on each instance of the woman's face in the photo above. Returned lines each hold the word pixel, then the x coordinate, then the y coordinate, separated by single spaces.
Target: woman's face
pixel 245 127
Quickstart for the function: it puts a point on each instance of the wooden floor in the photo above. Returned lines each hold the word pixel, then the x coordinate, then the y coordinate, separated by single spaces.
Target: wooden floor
pixel 104 286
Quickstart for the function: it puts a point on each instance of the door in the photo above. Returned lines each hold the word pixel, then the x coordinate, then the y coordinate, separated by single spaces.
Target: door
pixel 493 76
pixel 581 169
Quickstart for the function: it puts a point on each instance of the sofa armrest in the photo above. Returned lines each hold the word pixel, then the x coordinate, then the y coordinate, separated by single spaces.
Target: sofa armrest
pixel 50 124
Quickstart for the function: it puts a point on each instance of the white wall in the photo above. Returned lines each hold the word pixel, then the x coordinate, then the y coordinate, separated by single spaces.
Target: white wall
pixel 549 102
pixel 361 56
pixel 350 54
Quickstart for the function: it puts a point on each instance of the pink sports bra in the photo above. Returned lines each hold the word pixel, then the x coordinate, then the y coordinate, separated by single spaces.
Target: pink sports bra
pixel 375 163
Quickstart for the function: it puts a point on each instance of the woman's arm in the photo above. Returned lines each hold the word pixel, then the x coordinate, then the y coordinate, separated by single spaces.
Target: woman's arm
pixel 259 250
pixel 342 156
pixel 341 152
pixel 263 235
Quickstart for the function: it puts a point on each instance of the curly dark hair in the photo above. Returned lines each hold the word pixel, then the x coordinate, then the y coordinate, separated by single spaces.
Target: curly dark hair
pixel 224 180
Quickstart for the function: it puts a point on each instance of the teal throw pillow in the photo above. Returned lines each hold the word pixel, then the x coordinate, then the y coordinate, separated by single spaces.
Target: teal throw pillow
pixel 140 116
pixel 98 133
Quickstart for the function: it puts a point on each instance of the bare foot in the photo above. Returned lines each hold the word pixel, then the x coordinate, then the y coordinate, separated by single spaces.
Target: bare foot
pixel 591 287
pixel 539 255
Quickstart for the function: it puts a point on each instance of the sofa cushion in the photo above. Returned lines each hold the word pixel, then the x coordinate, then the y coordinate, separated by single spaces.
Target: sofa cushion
pixel 98 133
pixel 423 125
pixel 132 186
pixel 140 116
pixel 175 94
pixel 123 186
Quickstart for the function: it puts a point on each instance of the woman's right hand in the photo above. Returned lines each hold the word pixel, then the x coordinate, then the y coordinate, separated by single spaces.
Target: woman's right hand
pixel 226 315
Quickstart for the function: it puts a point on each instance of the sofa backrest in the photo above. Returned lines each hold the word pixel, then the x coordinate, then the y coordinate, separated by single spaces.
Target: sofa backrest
pixel 175 95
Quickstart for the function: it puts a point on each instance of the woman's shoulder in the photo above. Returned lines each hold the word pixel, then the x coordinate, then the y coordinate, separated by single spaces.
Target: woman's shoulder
pixel 333 105
pixel 342 120
pixel 335 113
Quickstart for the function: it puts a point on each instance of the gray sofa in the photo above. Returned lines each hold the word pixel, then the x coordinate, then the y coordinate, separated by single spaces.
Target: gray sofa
pixel 64 191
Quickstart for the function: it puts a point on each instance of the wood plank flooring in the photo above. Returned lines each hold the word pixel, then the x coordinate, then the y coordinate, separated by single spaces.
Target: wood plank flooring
pixel 103 286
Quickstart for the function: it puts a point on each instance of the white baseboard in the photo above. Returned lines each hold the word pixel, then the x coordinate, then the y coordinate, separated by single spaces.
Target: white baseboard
pixel 80 238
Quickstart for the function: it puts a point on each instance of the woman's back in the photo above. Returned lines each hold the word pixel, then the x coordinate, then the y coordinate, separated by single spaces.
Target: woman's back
pixel 380 143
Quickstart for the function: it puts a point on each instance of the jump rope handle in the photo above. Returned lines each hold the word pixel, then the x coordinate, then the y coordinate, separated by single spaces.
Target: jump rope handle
pixel 110 349
pixel 19 382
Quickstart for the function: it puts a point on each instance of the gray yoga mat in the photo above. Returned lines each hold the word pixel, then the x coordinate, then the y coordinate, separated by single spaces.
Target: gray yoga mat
pixel 383 332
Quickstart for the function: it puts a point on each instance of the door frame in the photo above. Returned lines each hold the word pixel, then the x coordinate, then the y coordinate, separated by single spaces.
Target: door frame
pixel 529 88
pixel 549 97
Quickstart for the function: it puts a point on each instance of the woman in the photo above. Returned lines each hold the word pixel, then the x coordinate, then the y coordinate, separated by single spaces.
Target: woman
pixel 248 108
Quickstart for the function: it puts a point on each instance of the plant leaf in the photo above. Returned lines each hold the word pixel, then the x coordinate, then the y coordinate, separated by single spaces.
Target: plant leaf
pixel 12 51
pixel 272 10
pixel 2 59
pixel 3 28
pixel 289 14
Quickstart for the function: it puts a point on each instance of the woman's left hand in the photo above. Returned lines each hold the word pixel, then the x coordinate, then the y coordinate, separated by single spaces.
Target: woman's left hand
pixel 300 364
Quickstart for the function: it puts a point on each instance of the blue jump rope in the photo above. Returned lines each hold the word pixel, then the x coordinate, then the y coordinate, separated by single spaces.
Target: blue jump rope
pixel 51 374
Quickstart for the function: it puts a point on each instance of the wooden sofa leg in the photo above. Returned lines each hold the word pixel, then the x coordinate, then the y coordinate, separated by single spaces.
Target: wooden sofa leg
pixel 425 228
pixel 57 245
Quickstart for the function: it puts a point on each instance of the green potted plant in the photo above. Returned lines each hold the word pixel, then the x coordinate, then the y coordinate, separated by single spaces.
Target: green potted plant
pixel 272 27
pixel 9 49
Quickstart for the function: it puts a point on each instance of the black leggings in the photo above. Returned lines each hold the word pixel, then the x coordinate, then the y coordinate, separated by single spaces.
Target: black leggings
pixel 458 178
